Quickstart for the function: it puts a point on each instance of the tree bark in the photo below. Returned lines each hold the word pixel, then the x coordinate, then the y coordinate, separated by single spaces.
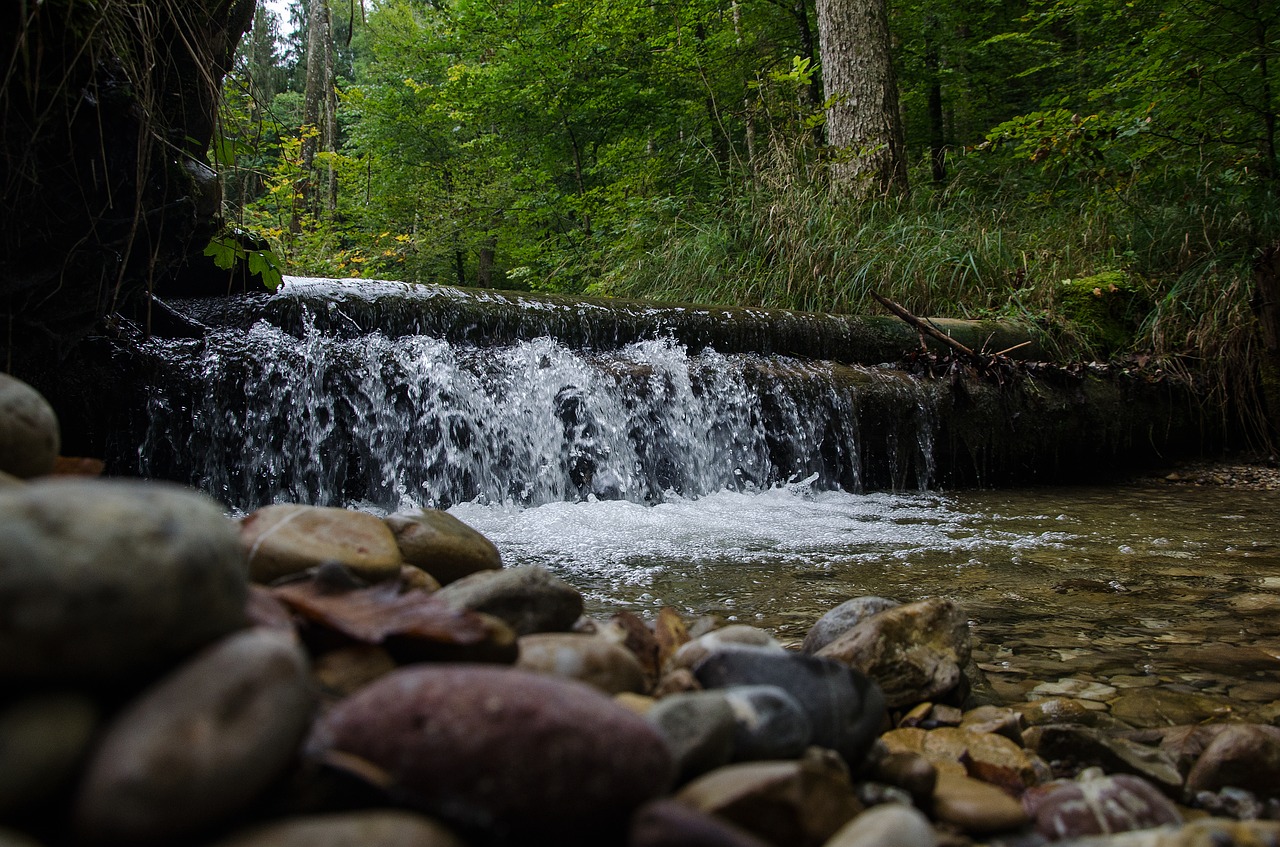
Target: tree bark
pixel 864 124
pixel 318 106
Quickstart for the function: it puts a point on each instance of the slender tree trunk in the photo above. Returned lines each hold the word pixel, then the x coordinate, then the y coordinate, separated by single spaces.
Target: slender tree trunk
pixel 318 105
pixel 485 260
pixel 937 128
pixel 800 11
pixel 863 121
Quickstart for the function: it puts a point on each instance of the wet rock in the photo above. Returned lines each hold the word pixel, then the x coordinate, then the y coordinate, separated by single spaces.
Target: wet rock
pixel 915 651
pixel 997 720
pixel 373 828
pixel 8 480
pixel 670 632
pixel 592 659
pixel 630 631
pixel 1063 710
pixel 102 579
pixel 910 771
pixel 889 825
pixel 345 671
pixel 1079 745
pixel 673 682
pixel 666 823
pixel 975 807
pixel 29 436
pixel 1077 689
pixel 1163 707
pixel 1242 756
pixel 799 803
pixel 199 745
pixel 503 752
pixel 415 579
pixel 845 709
pixel 442 545
pixel 768 723
pixel 737 635
pixel 843 618
pixel 529 599
pixel 931 716
pixel 1097 805
pixel 287 539
pixel 638 703
pixel 912 741
pixel 42 740
pixel 264 610
pixel 698 727
pixel 990 758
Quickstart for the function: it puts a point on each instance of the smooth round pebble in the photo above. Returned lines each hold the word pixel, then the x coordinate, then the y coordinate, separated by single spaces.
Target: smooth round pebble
pixel 597 661
pixel 530 599
pixel 889 825
pixel 29 435
pixel 698 727
pixel 442 545
pixel 768 723
pixel 286 539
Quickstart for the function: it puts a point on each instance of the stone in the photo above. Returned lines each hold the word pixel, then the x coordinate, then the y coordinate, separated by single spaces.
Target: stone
pixel 736 635
pixel 801 803
pixel 889 825
pixel 843 618
pixel 29 435
pixel 1079 745
pixel 201 744
pixel 673 682
pixel 346 670
pixel 915 652
pixel 371 828
pixel 1097 805
pixel 1078 689
pixel 912 741
pixel 768 723
pixel 910 771
pixel 991 758
pixel 12 838
pixel 287 539
pixel 529 599
pixel 1062 710
pixel 442 545
pixel 1243 756
pixel 845 709
pixel 666 823
pixel 108 579
pixel 499 751
pixel 698 727
pixel 997 720
pixel 975 807
pixel 671 634
pixel 592 659
pixel 43 738
pixel 1162 707
pixel 629 630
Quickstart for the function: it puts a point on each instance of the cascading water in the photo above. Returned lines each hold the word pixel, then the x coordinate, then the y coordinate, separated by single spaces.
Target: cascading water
pixel 335 418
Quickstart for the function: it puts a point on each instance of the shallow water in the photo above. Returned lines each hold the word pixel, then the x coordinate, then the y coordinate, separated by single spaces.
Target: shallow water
pixel 1177 586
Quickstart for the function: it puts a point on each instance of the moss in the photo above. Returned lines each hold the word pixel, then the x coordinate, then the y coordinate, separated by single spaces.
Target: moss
pixel 1106 309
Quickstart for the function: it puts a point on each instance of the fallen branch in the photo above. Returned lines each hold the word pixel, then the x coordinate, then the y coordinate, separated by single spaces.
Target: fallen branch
pixel 928 329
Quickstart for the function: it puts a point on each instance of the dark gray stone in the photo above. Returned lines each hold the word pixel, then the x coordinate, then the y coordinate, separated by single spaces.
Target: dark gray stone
pixel 699 729
pixel 843 618
pixel 529 599
pixel 29 435
pixel 768 723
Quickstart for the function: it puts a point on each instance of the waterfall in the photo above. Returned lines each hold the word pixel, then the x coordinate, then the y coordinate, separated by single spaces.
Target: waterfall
pixel 331 409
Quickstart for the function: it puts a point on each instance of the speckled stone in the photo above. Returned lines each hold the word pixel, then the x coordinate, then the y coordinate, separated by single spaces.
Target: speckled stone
pixel 1096 805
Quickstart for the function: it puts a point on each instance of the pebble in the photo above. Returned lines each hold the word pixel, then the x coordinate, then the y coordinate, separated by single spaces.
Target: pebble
pixel 200 744
pixel 442 545
pixel 1096 804
pixel 698 727
pixel 29 435
pixel 801 803
pixel 768 723
pixel 843 618
pixel 666 823
pixel 889 825
pixel 372 828
pixel 1088 746
pixel 1079 689
pixel 845 709
pixel 915 651
pixel 108 579
pixel 1243 756
pixel 286 539
pixel 592 659
pixel 42 740
pixel 975 807
pixel 734 635
pixel 529 599
pixel 1155 707
pixel 472 745
pixel 990 758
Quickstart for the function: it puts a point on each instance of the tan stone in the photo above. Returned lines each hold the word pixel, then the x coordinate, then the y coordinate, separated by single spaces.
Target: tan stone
pixel 442 545
pixel 592 659
pixel 287 539
pixel 974 806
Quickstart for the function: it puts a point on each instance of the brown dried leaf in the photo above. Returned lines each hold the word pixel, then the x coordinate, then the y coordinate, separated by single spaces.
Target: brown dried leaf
pixel 372 615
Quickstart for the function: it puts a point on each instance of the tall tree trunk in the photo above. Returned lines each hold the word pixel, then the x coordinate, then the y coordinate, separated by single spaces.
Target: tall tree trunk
pixel 863 121
pixel 937 128
pixel 319 100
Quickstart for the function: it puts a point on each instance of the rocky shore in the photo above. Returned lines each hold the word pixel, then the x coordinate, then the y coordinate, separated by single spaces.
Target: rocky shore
pixel 326 677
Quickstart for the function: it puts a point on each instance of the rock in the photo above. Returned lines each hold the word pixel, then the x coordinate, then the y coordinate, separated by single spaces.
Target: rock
pixel 529 599
pixel 629 630
pixel 843 618
pixel 346 670
pixel 991 758
pixel 997 720
pixel 592 659
pixel 42 740
pixel 666 823
pixel 673 682
pixel 11 838
pixel 1161 707
pixel 503 752
pixel 913 741
pixel 372 828
pixel 105 579
pixel 737 635
pixel 1097 805
pixel 910 771
pixel 698 727
pixel 1242 756
pixel 442 545
pixel 931 716
pixel 1078 689
pixel 1055 710
pixel 641 704
pixel 800 803
pixel 845 709
pixel 890 825
pixel 915 651
pixel 768 723
pixel 1086 746
pixel 8 480
pixel 670 633
pixel 29 436
pixel 200 744
pixel 287 539
pixel 974 806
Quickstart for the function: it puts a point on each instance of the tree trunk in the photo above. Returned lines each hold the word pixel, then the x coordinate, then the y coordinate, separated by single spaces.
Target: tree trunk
pixel 863 121
pixel 937 129
pixel 318 106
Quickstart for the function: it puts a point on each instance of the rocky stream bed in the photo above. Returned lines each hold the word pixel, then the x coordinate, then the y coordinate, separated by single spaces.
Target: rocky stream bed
pixel 323 676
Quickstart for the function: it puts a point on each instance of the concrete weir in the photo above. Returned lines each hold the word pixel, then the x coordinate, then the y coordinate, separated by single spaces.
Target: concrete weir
pixel 384 394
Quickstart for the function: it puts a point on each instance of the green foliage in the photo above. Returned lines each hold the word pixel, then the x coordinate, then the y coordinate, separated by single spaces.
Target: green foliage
pixel 228 248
